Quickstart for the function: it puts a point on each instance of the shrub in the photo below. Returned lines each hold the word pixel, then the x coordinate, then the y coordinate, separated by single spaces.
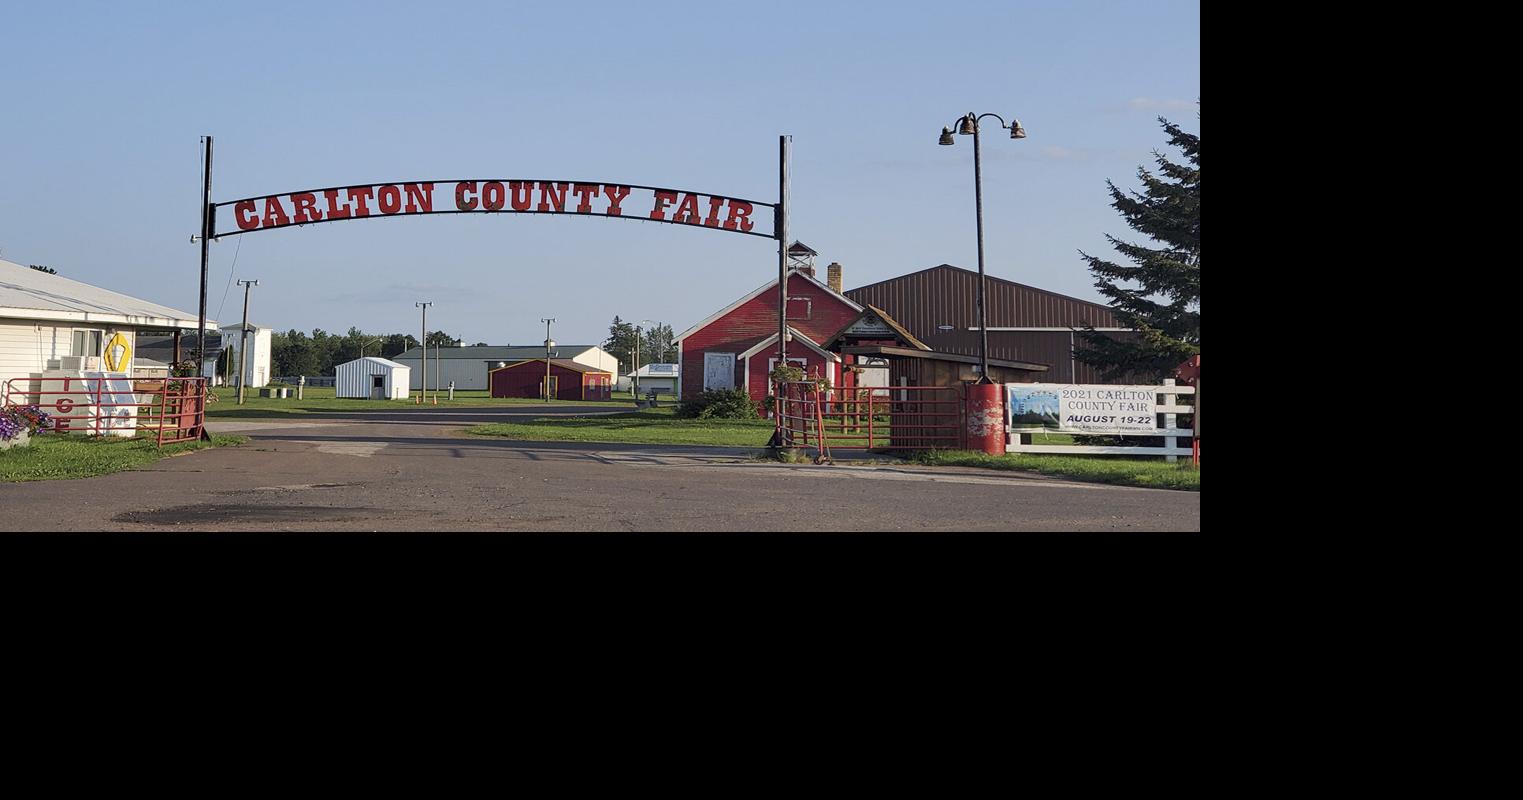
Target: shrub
pixel 719 404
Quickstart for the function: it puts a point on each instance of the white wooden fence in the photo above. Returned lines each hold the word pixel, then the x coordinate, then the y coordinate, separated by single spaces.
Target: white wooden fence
pixel 1176 439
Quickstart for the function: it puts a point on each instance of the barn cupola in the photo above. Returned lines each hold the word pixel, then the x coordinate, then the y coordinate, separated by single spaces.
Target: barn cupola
pixel 801 257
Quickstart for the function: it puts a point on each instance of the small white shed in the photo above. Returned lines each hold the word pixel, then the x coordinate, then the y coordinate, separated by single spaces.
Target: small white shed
pixel 372 378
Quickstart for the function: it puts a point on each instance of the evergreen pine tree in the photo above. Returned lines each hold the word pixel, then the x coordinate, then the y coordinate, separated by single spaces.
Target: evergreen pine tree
pixel 621 342
pixel 1159 294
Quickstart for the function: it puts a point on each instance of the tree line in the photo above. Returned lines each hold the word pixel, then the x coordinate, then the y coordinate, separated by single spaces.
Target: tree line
pixel 295 353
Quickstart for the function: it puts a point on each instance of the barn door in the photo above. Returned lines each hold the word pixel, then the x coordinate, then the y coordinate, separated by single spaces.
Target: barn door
pixel 718 371
pixel 377 387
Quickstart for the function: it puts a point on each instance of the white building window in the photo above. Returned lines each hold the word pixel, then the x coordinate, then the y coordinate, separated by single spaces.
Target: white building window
pixel 88 343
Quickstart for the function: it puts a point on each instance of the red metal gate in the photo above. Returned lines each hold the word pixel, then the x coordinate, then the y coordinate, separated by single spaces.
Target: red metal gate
pixel 872 418
pixel 169 409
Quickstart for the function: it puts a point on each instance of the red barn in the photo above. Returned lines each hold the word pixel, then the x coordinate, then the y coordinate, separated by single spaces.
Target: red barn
pixel 737 347
pixel 569 380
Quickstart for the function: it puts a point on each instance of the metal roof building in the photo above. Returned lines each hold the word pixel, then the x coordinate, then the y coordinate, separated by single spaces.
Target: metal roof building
pixel 45 318
pixel 371 378
pixel 939 306
pixel 467 367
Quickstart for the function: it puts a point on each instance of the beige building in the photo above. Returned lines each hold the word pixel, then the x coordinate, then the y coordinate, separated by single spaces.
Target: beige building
pixel 468 366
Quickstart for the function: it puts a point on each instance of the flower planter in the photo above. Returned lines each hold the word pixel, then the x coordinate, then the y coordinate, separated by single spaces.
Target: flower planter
pixel 24 439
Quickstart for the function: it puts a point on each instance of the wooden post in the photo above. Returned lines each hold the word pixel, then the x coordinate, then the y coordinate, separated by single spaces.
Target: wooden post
pixel 1169 421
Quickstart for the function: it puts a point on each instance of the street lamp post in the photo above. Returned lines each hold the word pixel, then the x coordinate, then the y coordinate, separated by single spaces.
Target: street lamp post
pixel 635 376
pixel 968 124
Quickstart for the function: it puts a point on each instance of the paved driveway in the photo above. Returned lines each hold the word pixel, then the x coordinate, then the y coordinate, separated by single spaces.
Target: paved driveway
pixel 382 473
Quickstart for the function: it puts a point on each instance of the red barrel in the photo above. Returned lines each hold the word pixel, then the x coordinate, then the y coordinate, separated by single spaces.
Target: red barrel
pixel 986 418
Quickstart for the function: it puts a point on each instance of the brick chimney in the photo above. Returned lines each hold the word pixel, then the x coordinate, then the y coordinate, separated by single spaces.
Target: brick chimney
pixel 833 276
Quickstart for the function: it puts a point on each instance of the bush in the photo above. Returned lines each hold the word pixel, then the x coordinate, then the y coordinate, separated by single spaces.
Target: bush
pixel 719 404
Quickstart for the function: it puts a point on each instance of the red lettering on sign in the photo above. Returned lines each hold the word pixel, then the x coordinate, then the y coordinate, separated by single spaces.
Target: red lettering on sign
pixel 548 196
pixel 586 191
pixel 64 405
pixel 462 202
pixel 712 220
pixel 687 211
pixel 521 194
pixel 419 196
pixel 740 216
pixel 306 207
pixel 244 213
pixel 662 199
pixel 615 195
pixel 274 213
pixel 336 211
pixel 493 196
pixel 391 199
pixel 361 197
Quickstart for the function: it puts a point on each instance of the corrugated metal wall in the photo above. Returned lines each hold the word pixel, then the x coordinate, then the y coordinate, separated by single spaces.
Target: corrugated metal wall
pixel 924 301
pixel 352 379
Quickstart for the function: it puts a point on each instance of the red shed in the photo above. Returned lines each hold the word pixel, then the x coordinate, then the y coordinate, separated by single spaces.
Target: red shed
pixel 568 380
pixel 737 346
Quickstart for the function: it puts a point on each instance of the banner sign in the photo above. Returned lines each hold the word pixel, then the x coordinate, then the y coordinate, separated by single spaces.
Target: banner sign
pixel 1074 408
pixel 626 201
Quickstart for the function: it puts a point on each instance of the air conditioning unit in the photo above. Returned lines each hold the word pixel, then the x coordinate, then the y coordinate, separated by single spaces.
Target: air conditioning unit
pixel 74 363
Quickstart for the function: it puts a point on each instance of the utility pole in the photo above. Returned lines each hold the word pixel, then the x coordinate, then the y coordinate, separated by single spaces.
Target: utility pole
pixel 549 343
pixel 423 353
pixel 243 345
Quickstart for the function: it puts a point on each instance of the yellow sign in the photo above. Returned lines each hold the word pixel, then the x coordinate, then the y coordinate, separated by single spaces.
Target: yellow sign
pixel 118 353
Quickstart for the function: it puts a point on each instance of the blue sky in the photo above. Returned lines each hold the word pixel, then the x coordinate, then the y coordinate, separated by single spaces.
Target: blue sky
pixel 100 172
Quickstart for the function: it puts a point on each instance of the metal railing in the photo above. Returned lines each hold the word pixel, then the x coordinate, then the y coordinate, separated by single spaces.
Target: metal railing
pixel 872 418
pixel 168 409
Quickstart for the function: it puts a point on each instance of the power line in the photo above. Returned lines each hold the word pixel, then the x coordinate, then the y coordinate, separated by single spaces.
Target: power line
pixel 231 271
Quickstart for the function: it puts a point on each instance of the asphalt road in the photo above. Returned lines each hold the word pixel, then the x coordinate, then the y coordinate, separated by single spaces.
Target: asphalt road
pixel 414 471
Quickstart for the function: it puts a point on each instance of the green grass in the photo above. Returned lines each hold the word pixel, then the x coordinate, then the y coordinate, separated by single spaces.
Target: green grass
pixel 1154 473
pixel 317 400
pixel 58 456
pixel 650 426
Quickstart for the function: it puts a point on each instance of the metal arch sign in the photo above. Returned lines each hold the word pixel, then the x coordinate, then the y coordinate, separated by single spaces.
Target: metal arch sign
pixel 489 196
pixel 500 196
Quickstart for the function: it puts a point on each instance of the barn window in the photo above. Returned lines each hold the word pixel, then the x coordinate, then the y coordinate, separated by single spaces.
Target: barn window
pixel 800 308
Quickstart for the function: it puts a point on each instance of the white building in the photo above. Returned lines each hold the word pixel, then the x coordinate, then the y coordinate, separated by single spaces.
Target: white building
pixel 259 353
pixel 468 366
pixel 658 378
pixel 371 378
pixel 48 321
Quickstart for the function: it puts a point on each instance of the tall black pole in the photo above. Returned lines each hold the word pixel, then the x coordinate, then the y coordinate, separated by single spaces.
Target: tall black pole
pixel 783 146
pixel 983 315
pixel 206 237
